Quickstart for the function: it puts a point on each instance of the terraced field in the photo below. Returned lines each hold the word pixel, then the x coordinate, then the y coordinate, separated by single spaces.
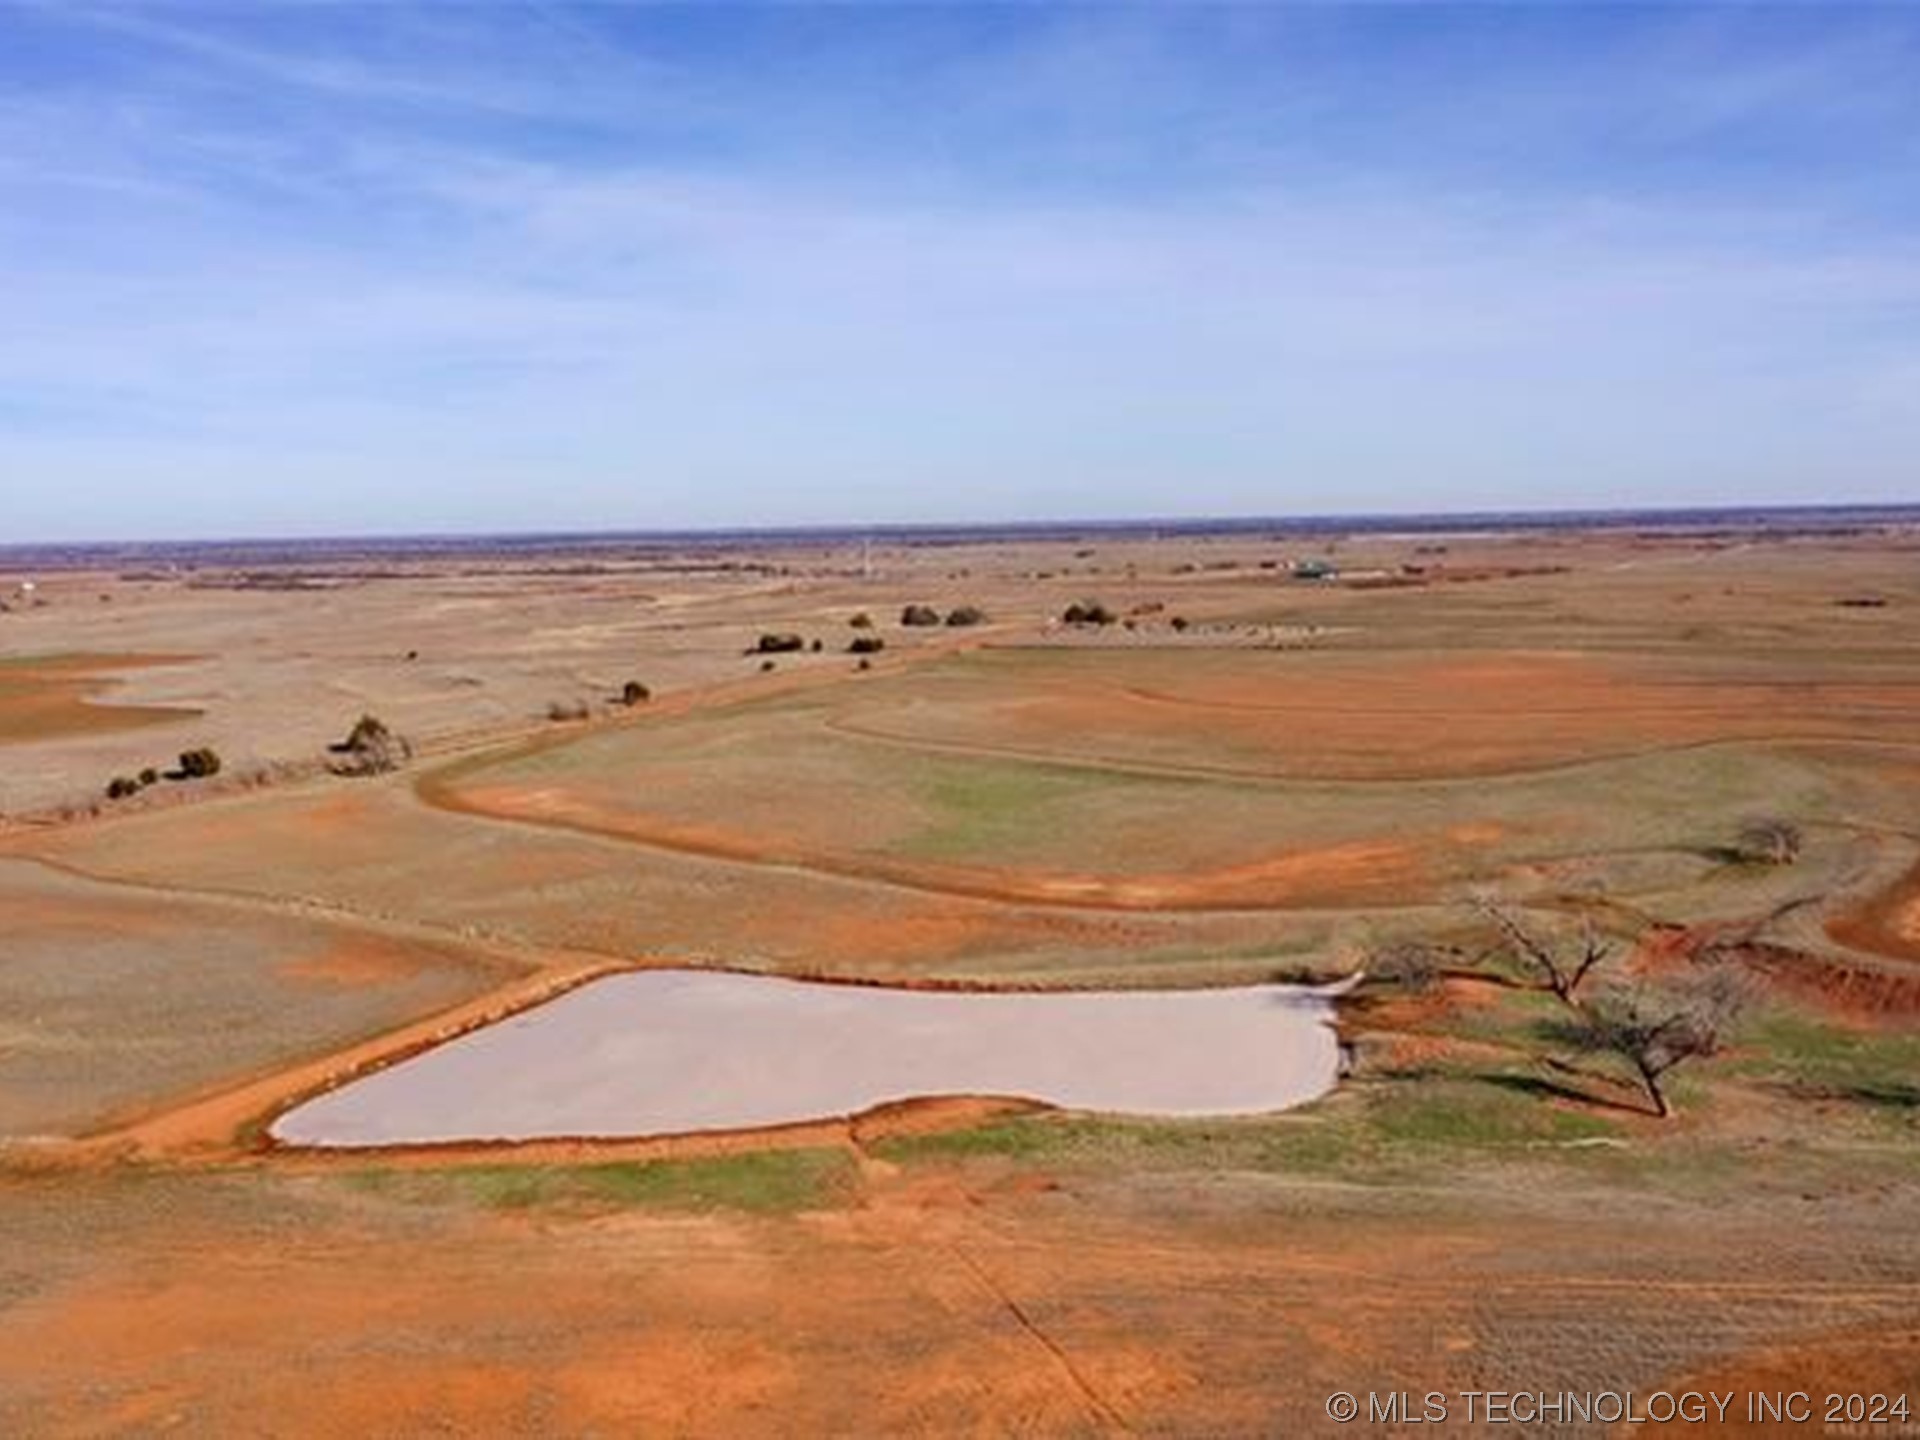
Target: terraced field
pixel 1293 784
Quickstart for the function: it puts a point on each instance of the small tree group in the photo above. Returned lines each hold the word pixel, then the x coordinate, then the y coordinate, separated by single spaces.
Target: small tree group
pixel 866 645
pixel 777 643
pixel 918 615
pixel 369 749
pixel 963 615
pixel 199 764
pixel 122 787
pixel 1652 1028
pixel 1087 612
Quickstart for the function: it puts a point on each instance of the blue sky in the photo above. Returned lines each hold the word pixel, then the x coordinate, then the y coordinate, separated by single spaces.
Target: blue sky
pixel 338 269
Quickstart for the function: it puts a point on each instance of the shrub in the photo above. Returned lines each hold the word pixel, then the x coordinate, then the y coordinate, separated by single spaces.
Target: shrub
pixel 1768 842
pixel 559 710
pixel 919 615
pixel 966 615
pixel 149 776
pixel 777 643
pixel 765 666
pixel 865 663
pixel 199 764
pixel 1179 624
pixel 1411 966
pixel 862 621
pixel 1087 612
pixel 368 732
pixel 634 693
pixel 866 645
pixel 121 786
pixel 370 749
pixel 817 646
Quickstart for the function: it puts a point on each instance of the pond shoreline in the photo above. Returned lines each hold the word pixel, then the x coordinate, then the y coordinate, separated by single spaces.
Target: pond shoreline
pixel 657 1053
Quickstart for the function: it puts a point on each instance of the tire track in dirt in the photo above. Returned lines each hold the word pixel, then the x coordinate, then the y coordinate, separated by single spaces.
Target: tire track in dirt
pixel 1101 1409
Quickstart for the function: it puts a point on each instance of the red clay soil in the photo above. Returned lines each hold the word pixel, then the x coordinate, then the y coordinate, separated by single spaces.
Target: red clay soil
pixel 1827 1370
pixel 1885 924
pixel 1380 719
pixel 687 1326
pixel 1857 993
pixel 44 698
pixel 948 1302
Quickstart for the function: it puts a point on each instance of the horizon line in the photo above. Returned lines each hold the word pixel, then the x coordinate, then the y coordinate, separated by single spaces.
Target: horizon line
pixel 1678 516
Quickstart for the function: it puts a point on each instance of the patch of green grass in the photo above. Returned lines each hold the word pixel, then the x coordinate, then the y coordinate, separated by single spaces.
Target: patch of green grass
pixel 1270 1143
pixel 770 1182
pixel 1873 1068
pixel 996 808
pixel 1478 1112
pixel 1377 1133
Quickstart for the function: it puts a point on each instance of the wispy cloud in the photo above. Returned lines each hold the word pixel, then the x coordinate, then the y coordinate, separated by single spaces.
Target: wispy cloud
pixel 628 267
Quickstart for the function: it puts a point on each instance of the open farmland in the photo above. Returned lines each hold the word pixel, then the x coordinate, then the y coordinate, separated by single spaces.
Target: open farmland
pixel 118 1003
pixel 54 697
pixel 961 777
pixel 1295 782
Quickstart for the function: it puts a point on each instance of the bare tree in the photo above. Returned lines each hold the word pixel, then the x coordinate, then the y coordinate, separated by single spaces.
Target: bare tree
pixel 1656 1029
pixel 1559 972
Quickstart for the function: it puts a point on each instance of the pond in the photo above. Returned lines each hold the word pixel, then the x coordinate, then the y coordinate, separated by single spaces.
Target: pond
pixel 661 1052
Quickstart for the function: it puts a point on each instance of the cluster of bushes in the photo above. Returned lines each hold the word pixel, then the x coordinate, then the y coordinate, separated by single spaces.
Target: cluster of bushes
pixel 200 764
pixel 634 693
pixel 197 764
pixel 369 749
pixel 1652 1026
pixel 1087 612
pixel 915 616
pixel 926 615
